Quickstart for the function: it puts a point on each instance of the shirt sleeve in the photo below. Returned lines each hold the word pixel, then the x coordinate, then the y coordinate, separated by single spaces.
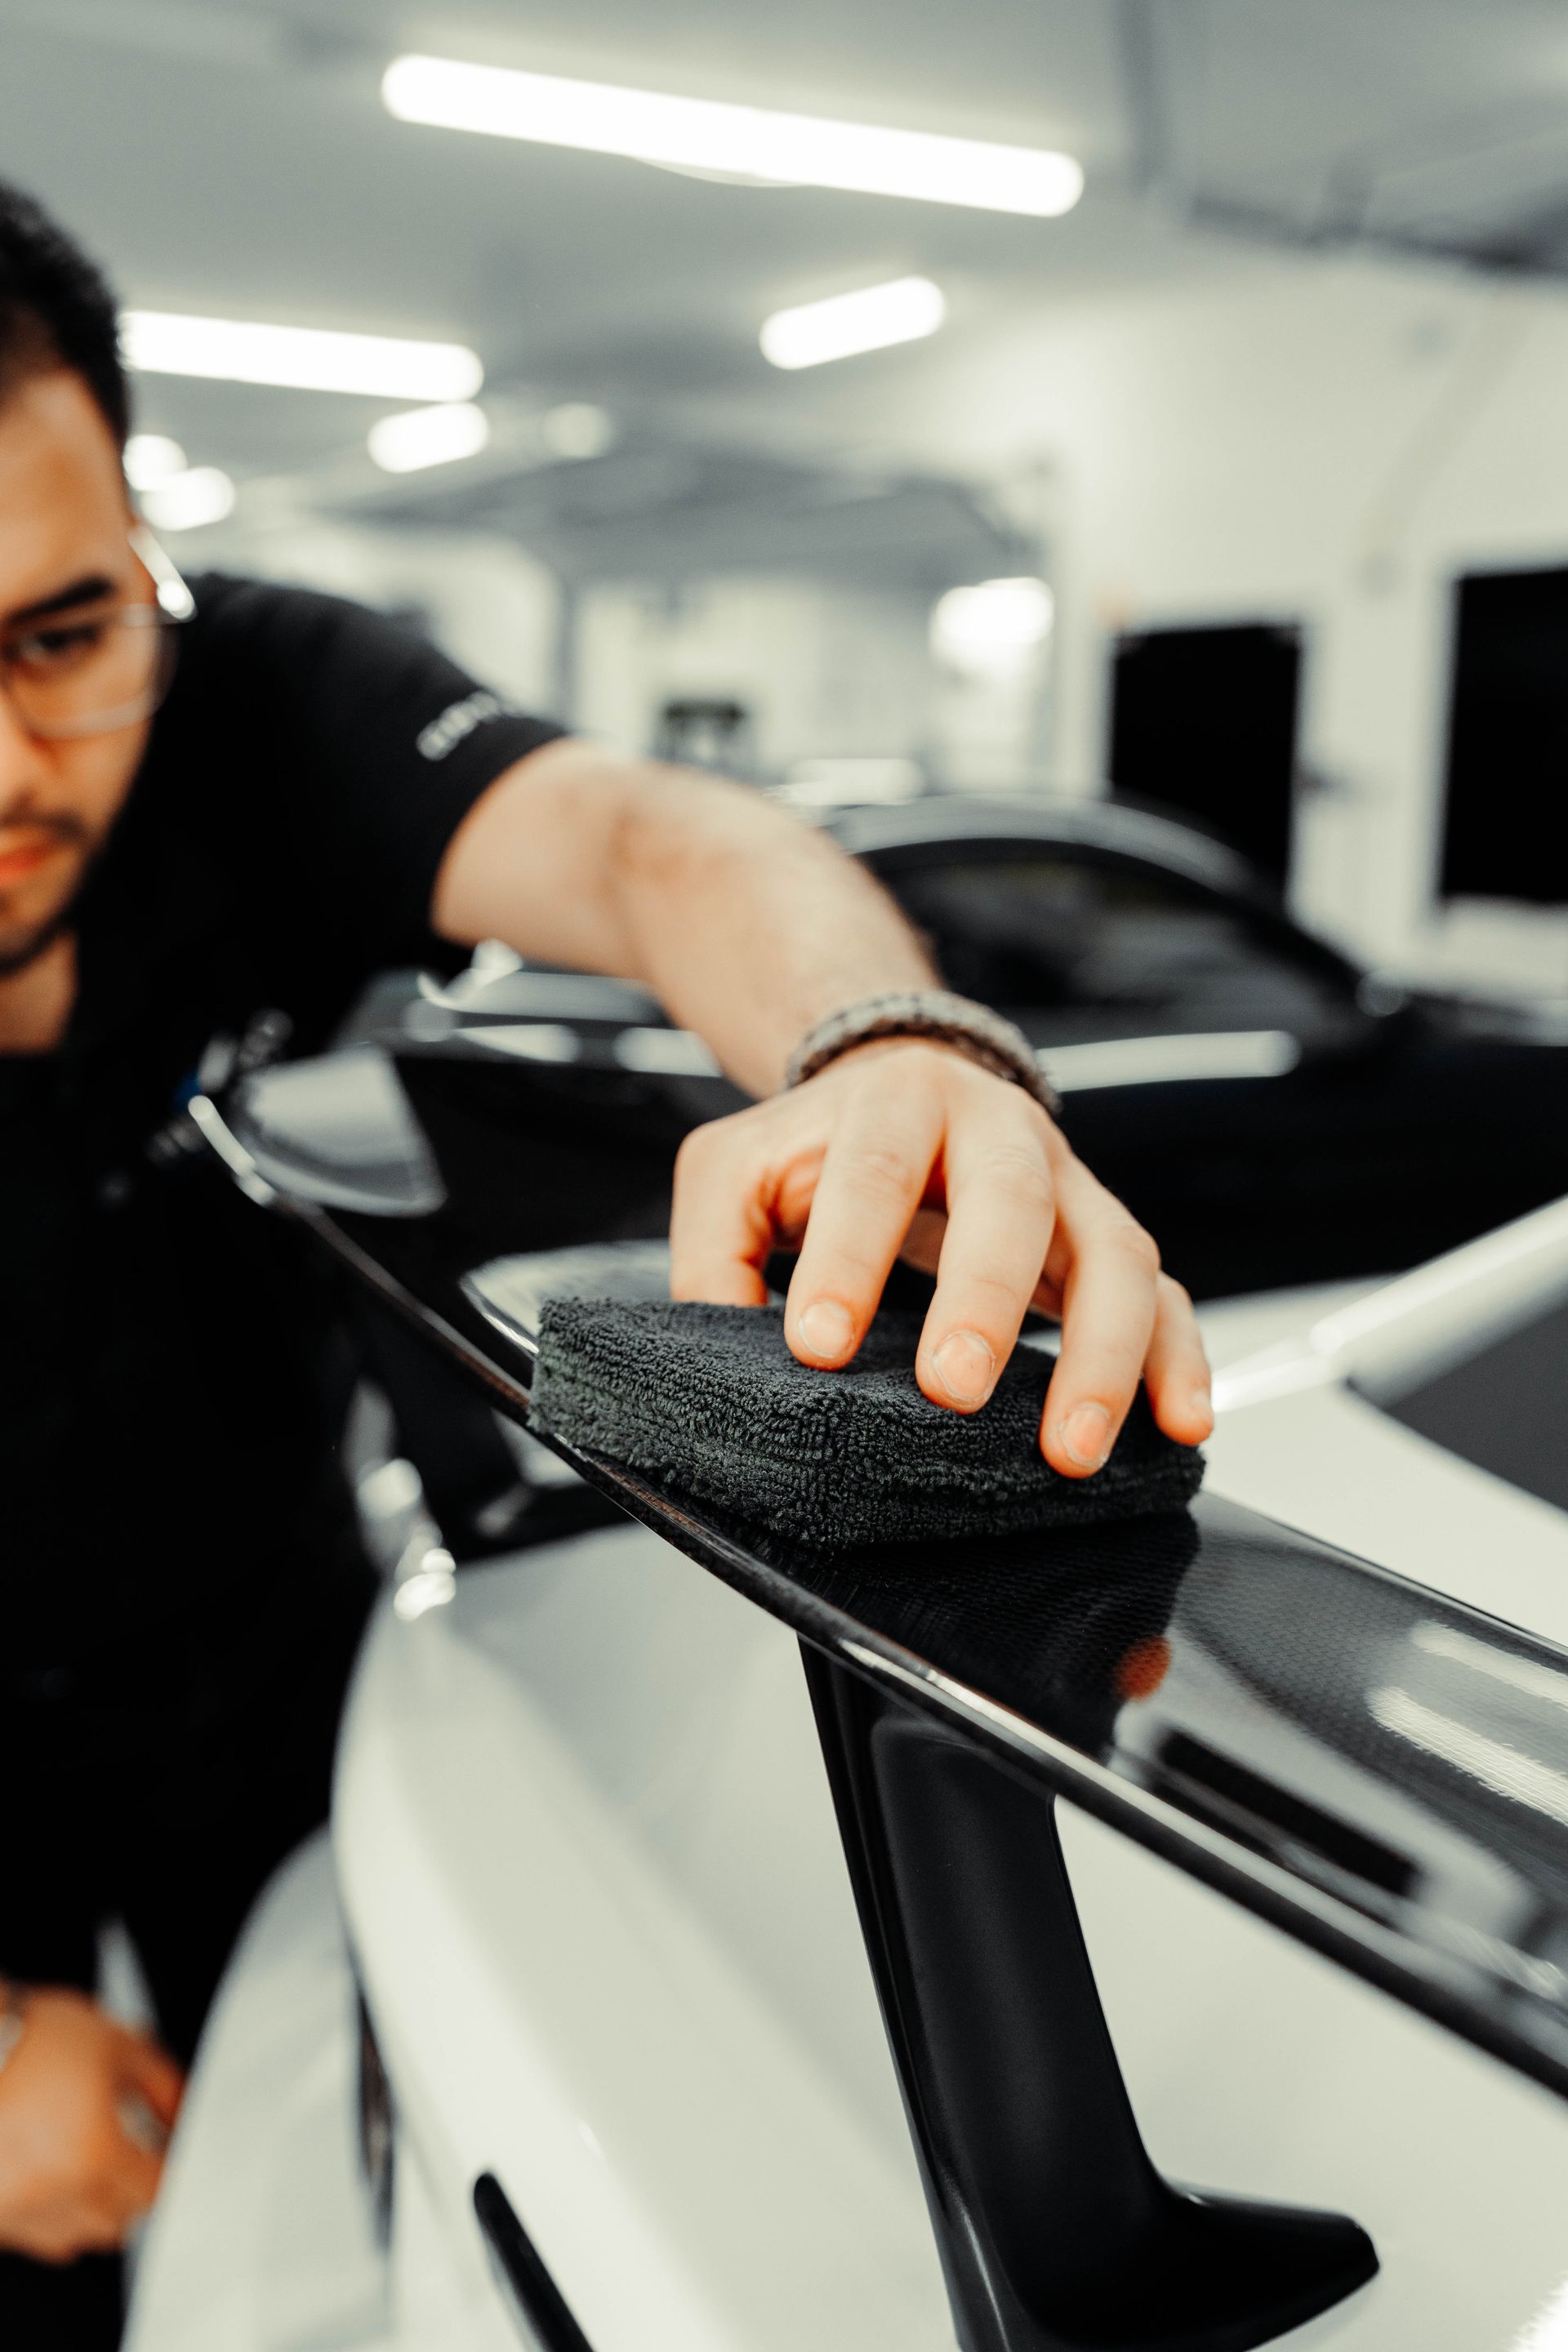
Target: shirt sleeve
pixel 384 743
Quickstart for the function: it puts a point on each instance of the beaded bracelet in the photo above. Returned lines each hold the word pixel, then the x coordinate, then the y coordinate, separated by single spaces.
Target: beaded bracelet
pixel 971 1029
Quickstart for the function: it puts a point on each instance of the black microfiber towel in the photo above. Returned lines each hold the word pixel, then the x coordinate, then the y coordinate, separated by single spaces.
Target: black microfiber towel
pixel 709 1402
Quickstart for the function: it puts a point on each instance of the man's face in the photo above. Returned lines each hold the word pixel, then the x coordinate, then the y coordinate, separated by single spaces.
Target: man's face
pixel 63 557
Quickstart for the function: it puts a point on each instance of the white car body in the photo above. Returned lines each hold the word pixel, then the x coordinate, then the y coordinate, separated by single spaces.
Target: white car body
pixel 595 1894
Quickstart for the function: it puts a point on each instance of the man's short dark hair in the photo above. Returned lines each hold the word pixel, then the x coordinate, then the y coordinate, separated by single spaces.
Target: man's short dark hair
pixel 57 310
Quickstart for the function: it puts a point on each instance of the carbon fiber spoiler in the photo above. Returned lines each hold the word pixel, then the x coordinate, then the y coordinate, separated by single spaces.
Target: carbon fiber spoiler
pixel 1309 1734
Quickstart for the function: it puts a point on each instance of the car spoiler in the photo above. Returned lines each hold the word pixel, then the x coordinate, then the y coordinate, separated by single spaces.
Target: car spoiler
pixel 1376 1771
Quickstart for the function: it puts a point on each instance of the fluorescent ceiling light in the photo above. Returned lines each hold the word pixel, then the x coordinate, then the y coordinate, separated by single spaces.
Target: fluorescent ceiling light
pixel 750 141
pixel 577 429
pixel 993 629
pixel 900 312
pixel 428 436
pixel 309 358
pixel 150 458
pixel 201 494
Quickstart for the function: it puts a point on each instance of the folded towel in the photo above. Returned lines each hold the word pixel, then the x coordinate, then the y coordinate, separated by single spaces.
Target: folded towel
pixel 709 1402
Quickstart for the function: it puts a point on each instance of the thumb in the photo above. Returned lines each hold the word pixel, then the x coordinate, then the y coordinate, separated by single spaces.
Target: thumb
pixel 153 2074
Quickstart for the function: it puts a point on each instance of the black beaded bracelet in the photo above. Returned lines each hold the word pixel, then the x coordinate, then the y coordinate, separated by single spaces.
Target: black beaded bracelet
pixel 971 1029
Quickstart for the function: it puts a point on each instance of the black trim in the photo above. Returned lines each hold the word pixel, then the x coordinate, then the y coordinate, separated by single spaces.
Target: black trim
pixel 1056 2233
pixel 536 2299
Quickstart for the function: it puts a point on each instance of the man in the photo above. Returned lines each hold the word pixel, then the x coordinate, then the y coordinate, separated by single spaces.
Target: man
pixel 257 807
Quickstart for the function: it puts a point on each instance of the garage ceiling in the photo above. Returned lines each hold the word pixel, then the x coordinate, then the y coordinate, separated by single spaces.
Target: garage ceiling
pixel 232 156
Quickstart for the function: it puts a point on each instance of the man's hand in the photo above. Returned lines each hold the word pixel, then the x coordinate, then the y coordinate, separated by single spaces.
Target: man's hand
pixel 750 927
pixel 903 1147
pixel 72 2181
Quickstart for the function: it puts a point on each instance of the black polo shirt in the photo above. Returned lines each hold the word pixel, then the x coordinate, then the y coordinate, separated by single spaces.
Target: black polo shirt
pixel 170 1399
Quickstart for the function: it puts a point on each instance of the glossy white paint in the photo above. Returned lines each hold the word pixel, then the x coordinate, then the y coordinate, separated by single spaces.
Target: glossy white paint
pixel 1297 1440
pixel 1255 2066
pixel 1390 1335
pixel 593 1881
pixel 590 1865
pixel 261 2240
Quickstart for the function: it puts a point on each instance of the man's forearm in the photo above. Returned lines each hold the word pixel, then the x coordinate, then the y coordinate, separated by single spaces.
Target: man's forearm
pixel 749 925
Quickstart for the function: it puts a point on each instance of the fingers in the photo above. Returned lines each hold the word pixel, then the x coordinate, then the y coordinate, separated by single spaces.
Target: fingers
pixel 1000 1211
pixel 861 1161
pixel 886 1137
pixel 1177 1370
pixel 720 1220
pixel 1109 1289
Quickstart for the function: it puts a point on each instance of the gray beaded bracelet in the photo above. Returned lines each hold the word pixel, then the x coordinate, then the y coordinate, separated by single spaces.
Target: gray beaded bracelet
pixel 970 1029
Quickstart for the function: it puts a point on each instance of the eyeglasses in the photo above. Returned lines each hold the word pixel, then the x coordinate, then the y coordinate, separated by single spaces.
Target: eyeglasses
pixel 88 672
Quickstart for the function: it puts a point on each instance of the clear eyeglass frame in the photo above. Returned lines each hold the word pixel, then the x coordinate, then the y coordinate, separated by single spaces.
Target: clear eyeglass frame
pixel 156 626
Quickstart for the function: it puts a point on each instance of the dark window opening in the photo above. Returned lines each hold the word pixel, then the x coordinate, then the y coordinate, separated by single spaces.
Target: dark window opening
pixel 706 731
pixel 1204 723
pixel 1505 831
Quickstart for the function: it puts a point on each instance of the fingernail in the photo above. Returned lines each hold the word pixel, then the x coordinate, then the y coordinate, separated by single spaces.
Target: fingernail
pixel 1202 1402
pixel 1085 1435
pixel 966 1367
pixel 827 1330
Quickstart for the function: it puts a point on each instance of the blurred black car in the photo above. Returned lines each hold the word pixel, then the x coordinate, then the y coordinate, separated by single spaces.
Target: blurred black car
pixel 1271 1111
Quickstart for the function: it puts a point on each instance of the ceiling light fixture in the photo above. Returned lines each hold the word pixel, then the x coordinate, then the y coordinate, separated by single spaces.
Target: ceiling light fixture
pixel 875 317
pixel 306 359
pixel 577 429
pixel 428 436
pixel 994 630
pixel 201 494
pixel 752 142
pixel 150 458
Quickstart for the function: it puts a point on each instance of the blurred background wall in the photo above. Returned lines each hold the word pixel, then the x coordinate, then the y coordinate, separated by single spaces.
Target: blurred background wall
pixel 1292 370
pixel 1327 442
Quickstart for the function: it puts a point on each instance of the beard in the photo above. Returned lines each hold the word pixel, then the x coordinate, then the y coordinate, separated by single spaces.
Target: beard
pixel 23 944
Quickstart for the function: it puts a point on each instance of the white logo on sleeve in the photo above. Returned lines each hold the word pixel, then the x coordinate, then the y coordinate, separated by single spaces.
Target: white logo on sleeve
pixel 459 719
